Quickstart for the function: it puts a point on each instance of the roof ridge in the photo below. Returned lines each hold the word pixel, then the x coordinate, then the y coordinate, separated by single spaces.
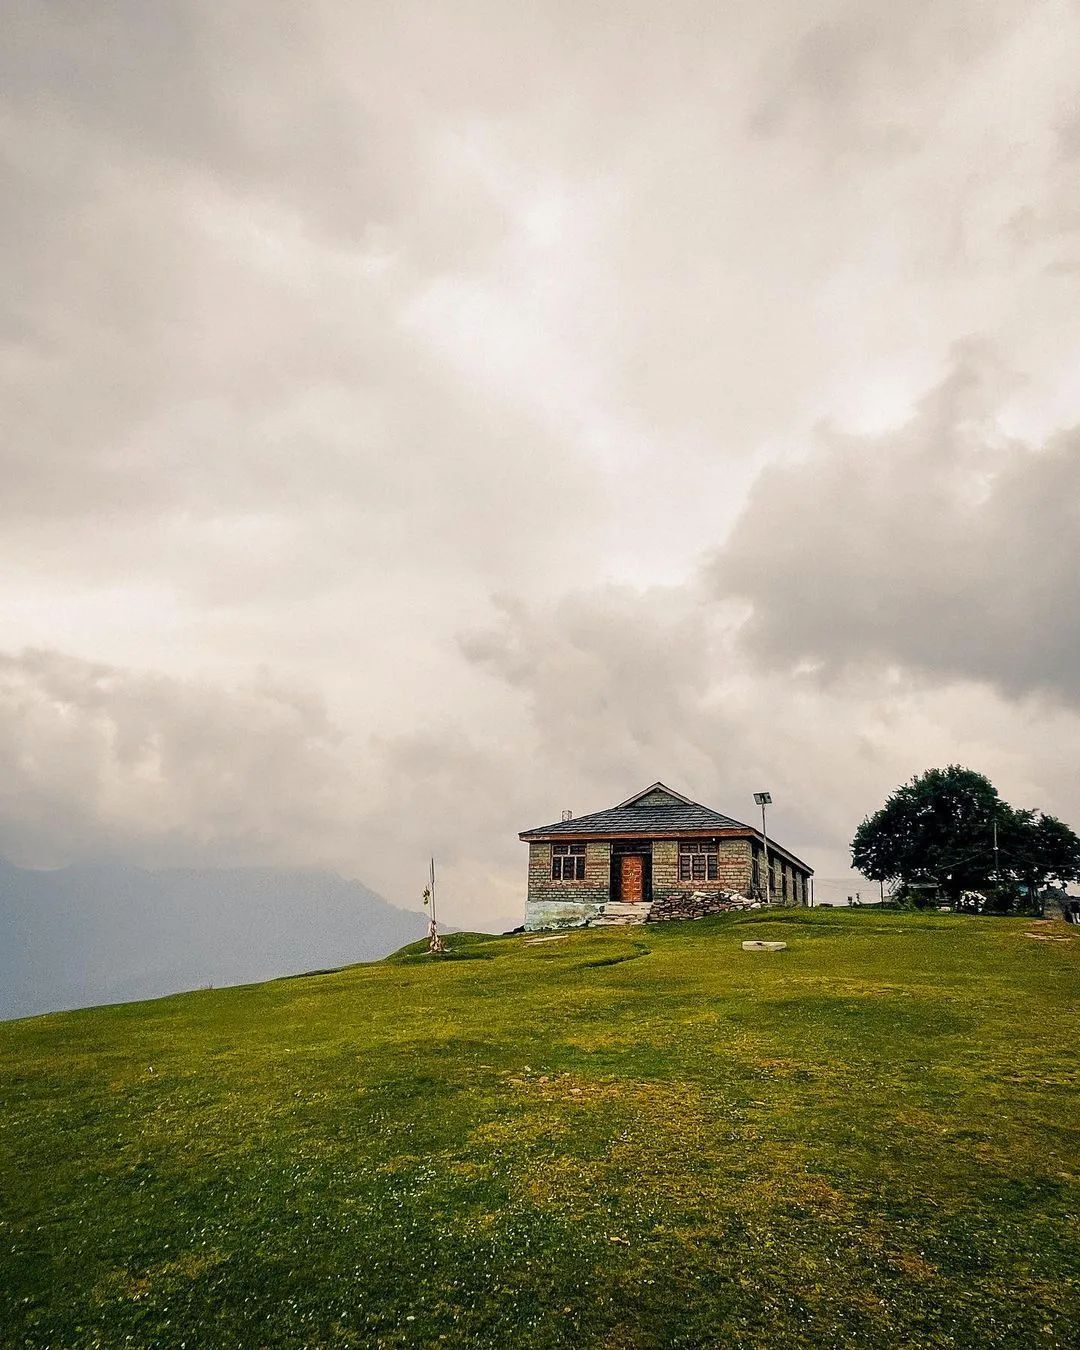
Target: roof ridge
pixel 653 787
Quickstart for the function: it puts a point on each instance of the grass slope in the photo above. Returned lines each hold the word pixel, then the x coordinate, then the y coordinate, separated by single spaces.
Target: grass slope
pixel 641 1138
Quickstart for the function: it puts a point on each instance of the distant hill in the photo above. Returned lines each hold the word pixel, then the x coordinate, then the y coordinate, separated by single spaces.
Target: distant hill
pixel 108 933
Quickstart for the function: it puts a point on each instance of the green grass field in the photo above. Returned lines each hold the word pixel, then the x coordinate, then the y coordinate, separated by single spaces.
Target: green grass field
pixel 620 1138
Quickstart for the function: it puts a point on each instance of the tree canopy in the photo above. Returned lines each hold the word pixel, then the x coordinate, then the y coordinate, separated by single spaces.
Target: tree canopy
pixel 938 831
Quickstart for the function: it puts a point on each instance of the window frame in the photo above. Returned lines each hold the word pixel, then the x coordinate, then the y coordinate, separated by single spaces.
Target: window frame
pixel 699 860
pixel 564 854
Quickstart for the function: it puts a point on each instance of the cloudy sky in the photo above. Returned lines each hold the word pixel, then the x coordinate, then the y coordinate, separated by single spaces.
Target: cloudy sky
pixel 422 417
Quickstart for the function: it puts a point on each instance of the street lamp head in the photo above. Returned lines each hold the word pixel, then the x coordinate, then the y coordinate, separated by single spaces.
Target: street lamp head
pixel 763 798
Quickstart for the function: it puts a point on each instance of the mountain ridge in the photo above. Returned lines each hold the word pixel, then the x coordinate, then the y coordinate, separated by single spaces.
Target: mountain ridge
pixel 108 932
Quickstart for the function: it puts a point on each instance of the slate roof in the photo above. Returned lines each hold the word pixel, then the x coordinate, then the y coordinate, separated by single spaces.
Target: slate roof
pixel 657 812
pixel 634 816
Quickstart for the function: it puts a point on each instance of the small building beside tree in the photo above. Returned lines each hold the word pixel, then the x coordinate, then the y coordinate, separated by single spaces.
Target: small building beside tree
pixel 658 855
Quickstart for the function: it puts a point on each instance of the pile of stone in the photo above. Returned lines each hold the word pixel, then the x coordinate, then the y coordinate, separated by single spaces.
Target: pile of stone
pixel 698 905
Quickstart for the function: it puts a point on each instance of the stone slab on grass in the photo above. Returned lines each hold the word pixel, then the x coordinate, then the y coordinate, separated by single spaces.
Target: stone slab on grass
pixel 764 946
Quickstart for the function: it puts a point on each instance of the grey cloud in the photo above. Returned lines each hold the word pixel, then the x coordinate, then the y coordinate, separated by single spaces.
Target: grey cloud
pixel 181 294
pixel 825 81
pixel 1069 136
pixel 234 91
pixel 101 761
pixel 326 324
pixel 163 389
pixel 621 685
pixel 823 71
pixel 940 547
pixel 173 283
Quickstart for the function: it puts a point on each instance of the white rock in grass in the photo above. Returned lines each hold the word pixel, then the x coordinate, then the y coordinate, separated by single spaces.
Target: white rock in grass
pixel 764 946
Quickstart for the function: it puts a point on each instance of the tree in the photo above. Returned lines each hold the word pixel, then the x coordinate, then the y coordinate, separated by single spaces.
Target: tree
pixel 1045 851
pixel 936 836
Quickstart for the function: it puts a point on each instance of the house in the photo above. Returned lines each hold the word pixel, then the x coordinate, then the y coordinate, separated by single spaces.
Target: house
pixel 655 856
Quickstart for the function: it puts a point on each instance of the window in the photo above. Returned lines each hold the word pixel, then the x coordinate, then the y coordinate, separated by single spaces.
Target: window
pixel 568 862
pixel 699 862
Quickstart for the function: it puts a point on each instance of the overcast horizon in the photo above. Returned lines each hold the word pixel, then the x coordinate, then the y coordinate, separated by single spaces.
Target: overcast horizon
pixel 423 419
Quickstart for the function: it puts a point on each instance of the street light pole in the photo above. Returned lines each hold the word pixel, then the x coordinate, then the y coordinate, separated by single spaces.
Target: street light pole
pixel 763 800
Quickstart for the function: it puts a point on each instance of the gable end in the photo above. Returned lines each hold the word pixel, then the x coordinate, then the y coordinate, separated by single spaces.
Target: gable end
pixel 655 795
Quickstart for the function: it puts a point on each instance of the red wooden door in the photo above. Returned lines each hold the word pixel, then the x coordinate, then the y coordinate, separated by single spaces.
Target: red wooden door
pixel 632 879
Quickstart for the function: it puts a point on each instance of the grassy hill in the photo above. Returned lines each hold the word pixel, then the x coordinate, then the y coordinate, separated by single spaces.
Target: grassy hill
pixel 618 1138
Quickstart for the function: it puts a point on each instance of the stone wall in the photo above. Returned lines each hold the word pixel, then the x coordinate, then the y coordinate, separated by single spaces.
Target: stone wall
pixel 733 867
pixel 789 885
pixel 566 904
pixel 686 904
pixel 665 867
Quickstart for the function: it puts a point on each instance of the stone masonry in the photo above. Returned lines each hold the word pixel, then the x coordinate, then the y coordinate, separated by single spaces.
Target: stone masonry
pixel 733 867
pixel 698 905
pixel 567 904
pixel 575 904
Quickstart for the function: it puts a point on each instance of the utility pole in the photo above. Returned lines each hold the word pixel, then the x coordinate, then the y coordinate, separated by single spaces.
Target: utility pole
pixel 763 800
pixel 997 868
